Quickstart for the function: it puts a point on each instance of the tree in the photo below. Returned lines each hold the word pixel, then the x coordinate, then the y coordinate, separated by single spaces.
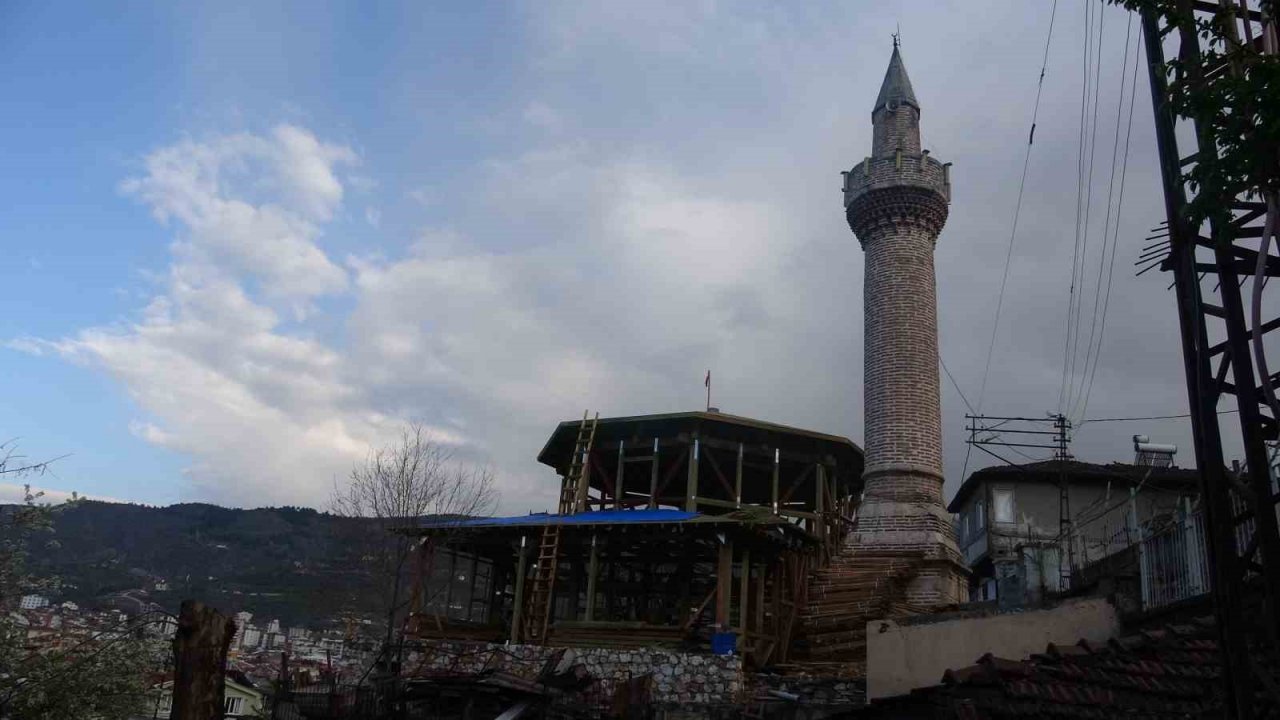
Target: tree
pixel 101 676
pixel 397 486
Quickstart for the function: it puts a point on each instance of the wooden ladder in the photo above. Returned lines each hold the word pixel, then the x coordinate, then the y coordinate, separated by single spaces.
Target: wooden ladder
pixel 544 574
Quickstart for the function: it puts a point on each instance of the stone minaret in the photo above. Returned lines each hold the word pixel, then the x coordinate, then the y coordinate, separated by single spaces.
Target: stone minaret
pixel 896 203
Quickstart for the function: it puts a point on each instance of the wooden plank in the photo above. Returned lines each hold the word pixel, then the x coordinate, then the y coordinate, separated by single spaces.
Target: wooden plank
pixel 744 591
pixel 696 611
pixel 715 467
pixel 671 471
pixel 522 562
pixel 653 477
pixel 795 484
pixel 691 482
pixel 620 474
pixel 724 585
pixel 777 461
pixel 593 570
pixel 737 480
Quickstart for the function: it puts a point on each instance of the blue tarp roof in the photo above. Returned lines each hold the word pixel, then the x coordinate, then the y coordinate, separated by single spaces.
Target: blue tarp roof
pixel 595 517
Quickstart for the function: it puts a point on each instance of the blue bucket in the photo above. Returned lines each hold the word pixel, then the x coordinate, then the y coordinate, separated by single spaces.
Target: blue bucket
pixel 724 643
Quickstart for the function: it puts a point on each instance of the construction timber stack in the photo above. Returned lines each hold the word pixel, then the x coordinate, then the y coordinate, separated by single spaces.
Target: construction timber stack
pixel 896 202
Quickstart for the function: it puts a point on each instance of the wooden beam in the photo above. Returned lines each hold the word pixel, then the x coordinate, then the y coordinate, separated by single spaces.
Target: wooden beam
pixel 691 482
pixel 653 477
pixel 744 591
pixel 671 470
pixel 697 609
pixel 819 500
pixel 724 585
pixel 620 474
pixel 737 479
pixel 777 458
pixel 795 484
pixel 522 561
pixel 593 570
pixel 715 467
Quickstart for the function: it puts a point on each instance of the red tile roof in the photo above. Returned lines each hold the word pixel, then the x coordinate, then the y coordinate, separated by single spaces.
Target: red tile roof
pixel 1168 673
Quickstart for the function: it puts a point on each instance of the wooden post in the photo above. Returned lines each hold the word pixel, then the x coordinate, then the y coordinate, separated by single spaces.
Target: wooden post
pixel 820 491
pixel 593 570
pixel 737 479
pixel 744 589
pixel 724 585
pixel 653 477
pixel 618 495
pixel 777 457
pixel 691 487
pixel 200 662
pixel 518 602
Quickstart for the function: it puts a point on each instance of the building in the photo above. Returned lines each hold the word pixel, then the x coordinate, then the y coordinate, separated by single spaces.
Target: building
pixel 896 201
pixel 33 602
pixel 674 528
pixel 1009 520
pixel 240 700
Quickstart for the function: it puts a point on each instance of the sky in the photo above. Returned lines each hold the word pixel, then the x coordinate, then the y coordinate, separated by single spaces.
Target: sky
pixel 247 241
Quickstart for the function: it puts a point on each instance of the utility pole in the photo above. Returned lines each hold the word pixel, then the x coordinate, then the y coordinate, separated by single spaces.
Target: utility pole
pixel 987 432
pixel 1210 228
pixel 200 662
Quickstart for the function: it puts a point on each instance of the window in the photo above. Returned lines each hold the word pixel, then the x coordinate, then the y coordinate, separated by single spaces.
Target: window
pixel 1002 505
pixel 233 705
pixel 980 519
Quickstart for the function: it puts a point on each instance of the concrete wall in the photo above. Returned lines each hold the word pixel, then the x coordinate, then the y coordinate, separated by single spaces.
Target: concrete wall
pixel 904 656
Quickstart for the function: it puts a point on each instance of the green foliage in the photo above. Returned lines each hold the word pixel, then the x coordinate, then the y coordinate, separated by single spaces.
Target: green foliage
pixel 103 677
pixel 1238 113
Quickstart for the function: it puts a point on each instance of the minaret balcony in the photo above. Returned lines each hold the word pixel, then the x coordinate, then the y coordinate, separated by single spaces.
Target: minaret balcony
pixel 897 170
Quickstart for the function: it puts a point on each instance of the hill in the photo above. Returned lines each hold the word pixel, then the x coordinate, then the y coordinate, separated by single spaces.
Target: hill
pixel 287 563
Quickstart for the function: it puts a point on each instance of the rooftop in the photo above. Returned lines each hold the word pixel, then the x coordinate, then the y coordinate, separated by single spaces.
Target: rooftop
pixel 1170 672
pixel 1048 471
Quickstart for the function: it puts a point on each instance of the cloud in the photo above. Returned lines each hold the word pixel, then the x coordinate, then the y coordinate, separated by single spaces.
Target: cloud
pixel 683 215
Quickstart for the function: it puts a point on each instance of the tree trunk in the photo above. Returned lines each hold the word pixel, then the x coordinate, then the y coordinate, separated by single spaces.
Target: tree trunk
pixel 200 662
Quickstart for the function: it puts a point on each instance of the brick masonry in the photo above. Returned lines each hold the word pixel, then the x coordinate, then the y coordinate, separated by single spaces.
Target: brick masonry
pixel 896 202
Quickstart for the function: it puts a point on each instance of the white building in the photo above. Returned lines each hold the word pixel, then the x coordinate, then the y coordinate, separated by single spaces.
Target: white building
pixel 33 602
pixel 250 637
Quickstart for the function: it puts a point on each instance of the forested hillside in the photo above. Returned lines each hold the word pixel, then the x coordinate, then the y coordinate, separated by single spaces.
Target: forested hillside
pixel 294 564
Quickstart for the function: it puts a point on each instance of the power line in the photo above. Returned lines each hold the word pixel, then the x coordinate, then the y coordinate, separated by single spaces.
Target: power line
pixel 1092 354
pixel 1013 231
pixel 1147 417
pixel 1067 355
pixel 955 384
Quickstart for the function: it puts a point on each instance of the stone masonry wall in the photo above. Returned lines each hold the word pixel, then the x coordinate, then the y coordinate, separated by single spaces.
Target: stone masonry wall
pixel 678 679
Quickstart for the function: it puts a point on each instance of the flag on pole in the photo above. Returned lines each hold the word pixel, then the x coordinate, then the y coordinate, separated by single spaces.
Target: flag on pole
pixel 708 380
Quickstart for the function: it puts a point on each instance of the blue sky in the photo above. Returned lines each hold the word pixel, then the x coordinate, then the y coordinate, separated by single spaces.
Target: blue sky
pixel 247 241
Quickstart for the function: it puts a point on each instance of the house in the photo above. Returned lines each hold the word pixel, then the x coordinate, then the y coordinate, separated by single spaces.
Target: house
pixel 241 700
pixel 33 602
pixel 1009 520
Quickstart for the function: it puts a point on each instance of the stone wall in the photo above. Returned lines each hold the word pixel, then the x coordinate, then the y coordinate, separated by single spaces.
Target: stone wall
pixel 678 679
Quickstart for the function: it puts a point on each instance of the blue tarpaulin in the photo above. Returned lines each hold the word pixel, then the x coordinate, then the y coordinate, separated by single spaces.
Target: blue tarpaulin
pixel 596 517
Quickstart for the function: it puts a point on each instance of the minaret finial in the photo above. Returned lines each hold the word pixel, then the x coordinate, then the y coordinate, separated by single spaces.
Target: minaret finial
pixel 897 35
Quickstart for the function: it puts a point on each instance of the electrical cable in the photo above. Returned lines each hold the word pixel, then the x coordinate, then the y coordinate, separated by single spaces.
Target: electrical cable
pixel 1013 231
pixel 1084 227
pixel 1091 374
pixel 1075 248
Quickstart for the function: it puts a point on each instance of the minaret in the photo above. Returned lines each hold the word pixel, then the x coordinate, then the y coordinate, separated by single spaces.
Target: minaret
pixel 896 203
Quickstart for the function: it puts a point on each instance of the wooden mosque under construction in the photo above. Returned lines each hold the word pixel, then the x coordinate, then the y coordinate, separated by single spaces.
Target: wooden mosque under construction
pixel 701 529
